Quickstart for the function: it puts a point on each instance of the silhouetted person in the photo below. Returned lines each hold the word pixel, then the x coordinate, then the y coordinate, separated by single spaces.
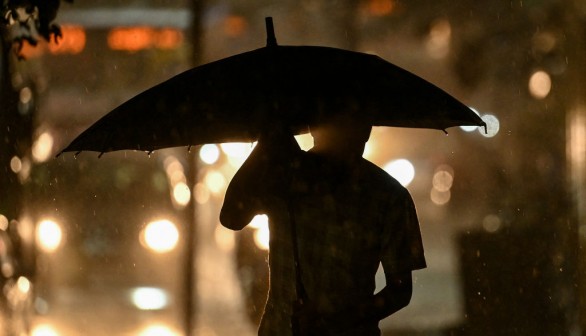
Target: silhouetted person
pixel 348 214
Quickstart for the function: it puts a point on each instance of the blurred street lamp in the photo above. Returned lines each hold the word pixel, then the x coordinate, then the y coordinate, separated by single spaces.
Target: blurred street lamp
pixel 402 170
pixel 539 84
pixel 43 147
pixel 260 223
pixel 149 298
pixel 160 236
pixel 48 235
pixel 158 330
pixel 209 153
pixel 44 329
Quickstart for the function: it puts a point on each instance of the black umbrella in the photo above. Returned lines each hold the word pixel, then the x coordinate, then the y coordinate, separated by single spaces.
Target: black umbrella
pixel 236 98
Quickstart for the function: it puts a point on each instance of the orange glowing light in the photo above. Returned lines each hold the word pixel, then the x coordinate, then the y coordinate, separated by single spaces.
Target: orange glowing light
pixel 29 51
pixel 168 38
pixel 130 38
pixel 139 38
pixel 380 7
pixel 72 42
pixel 235 25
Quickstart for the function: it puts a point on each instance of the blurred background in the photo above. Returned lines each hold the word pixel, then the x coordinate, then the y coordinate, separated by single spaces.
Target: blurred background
pixel 130 243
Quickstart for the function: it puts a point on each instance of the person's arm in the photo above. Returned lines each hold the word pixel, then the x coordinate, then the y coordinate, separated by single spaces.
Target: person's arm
pixel 244 195
pixel 260 178
pixel 392 298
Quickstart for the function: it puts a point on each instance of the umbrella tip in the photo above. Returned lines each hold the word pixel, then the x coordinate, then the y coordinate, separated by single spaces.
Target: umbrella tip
pixel 271 39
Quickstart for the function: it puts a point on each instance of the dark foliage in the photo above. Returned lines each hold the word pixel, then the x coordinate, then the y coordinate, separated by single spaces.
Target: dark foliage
pixel 28 20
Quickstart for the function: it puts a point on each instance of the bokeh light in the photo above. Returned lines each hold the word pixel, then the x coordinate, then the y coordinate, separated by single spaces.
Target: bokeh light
pixel 25 95
pixel 225 239
pixel 149 298
pixel 158 330
pixel 260 224
pixel 44 329
pixel 237 152
pixel 438 41
pixel 23 284
pixel 370 152
pixel 3 223
pixel 470 128
pixel 215 181
pixel 491 223
pixel 15 164
pixel 539 84
pixel 440 197
pixel 492 126
pixel 443 179
pixel 262 237
pixel 48 235
pixel 209 154
pixel 402 170
pixel 181 194
pixel 259 221
pixel 160 236
pixel 72 41
pixel 201 193
pixel 43 147
pixel 380 7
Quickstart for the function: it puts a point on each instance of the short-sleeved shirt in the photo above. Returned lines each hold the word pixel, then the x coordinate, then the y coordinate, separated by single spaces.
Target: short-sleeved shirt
pixel 347 220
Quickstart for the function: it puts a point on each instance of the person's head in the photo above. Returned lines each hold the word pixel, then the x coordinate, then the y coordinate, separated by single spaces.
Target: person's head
pixel 341 135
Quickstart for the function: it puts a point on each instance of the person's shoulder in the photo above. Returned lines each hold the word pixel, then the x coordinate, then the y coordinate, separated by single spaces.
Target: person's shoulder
pixel 381 179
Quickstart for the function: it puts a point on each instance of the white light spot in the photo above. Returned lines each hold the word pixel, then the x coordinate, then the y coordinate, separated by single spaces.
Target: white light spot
pixel 209 153
pixel 470 128
pixel 23 284
pixel 157 330
pixel 492 126
pixel 402 170
pixel 44 330
pixel 262 237
pixel 43 147
pixel 181 194
pixel 215 181
pixel 48 235
pixel 161 236
pixel 237 152
pixel 259 221
pixel 149 298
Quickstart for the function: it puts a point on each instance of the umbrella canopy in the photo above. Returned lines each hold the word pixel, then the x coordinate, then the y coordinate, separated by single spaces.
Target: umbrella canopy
pixel 236 98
